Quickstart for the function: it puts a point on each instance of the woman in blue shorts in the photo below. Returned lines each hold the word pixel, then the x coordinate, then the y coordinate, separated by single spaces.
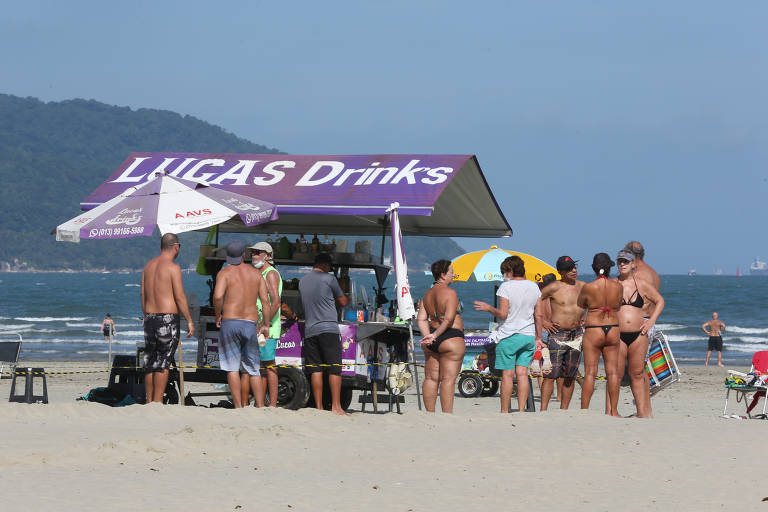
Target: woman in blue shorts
pixel 516 334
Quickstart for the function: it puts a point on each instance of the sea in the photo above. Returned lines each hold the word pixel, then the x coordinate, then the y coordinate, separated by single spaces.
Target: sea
pixel 58 315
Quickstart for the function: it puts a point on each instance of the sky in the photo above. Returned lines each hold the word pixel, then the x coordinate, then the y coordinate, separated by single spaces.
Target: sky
pixel 594 122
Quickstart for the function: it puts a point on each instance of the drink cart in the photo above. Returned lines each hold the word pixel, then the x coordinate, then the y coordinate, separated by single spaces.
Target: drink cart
pixel 367 347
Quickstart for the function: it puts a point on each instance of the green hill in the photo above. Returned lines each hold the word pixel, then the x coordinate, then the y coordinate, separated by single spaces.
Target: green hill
pixel 52 155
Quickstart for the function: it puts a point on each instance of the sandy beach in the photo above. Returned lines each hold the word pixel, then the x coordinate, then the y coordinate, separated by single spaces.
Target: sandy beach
pixel 76 455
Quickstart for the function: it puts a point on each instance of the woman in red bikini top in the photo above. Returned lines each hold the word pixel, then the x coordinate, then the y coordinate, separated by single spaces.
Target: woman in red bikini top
pixel 602 300
pixel 440 323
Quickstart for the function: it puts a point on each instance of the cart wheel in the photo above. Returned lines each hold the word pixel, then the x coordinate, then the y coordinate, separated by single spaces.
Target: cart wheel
pixel 470 386
pixel 292 388
pixel 490 387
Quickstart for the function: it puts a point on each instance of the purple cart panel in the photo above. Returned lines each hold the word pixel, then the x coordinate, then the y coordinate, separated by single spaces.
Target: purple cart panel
pixel 290 343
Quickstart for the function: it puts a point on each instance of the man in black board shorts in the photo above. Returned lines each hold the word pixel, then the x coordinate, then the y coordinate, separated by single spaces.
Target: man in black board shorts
pixel 714 328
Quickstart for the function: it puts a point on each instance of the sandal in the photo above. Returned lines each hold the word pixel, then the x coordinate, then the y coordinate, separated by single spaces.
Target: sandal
pixel 546 364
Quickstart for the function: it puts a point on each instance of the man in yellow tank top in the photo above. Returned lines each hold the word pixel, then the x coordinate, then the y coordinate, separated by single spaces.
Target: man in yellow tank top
pixel 263 260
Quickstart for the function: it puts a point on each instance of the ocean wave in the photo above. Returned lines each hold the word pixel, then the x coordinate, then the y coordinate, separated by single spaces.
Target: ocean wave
pixel 13 327
pixel 132 284
pixel 81 341
pixel 744 347
pixel 671 327
pixel 76 324
pixel 138 334
pixel 749 339
pixel 677 338
pixel 52 318
pixel 746 330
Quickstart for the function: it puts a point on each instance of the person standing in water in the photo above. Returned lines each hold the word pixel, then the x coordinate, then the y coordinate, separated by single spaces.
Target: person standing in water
pixel 714 328
pixel 108 327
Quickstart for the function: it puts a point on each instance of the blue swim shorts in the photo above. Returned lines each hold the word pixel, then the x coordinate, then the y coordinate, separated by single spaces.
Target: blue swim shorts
pixel 239 347
pixel 267 352
pixel 515 350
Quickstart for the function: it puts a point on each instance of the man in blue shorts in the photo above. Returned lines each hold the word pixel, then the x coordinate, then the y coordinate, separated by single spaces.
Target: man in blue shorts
pixel 320 295
pixel 238 287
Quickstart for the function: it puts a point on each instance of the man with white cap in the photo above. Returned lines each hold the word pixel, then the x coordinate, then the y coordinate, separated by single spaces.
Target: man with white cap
pixel 263 261
pixel 238 287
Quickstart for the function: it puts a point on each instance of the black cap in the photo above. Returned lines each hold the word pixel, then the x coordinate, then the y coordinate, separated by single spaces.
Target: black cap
pixel 323 258
pixel 602 260
pixel 565 263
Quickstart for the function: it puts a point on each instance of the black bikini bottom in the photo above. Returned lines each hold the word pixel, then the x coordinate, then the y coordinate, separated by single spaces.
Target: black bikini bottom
pixel 629 337
pixel 448 334
pixel 606 328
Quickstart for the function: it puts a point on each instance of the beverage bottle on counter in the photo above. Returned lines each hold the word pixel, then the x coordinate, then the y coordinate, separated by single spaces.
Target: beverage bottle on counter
pixel 284 249
pixel 315 244
pixel 303 245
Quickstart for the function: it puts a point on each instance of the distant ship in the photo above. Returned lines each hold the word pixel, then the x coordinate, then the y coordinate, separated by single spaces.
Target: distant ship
pixel 692 272
pixel 718 271
pixel 758 268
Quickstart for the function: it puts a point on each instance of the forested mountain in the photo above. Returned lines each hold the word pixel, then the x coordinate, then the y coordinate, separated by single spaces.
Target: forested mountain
pixel 52 155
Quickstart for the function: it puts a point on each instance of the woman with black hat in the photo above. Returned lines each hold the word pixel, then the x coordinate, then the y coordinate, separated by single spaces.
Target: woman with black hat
pixel 634 329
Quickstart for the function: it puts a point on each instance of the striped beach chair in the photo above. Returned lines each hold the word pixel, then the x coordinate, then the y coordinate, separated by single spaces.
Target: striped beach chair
pixel 660 364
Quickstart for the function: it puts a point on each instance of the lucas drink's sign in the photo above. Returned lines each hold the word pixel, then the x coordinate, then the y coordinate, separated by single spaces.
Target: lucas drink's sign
pixel 300 184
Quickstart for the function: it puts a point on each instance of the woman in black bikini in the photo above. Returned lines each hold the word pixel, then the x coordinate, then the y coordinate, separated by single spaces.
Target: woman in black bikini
pixel 634 330
pixel 440 317
pixel 602 299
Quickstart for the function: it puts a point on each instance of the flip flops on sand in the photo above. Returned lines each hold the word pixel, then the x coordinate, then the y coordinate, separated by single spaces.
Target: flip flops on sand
pixel 546 363
pixel 535 367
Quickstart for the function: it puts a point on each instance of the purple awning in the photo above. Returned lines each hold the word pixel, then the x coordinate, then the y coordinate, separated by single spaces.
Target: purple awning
pixel 438 194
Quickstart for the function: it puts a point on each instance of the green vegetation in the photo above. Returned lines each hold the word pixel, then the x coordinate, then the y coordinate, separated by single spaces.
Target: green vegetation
pixel 52 155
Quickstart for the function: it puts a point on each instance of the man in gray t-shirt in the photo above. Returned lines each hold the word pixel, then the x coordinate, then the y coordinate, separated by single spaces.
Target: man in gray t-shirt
pixel 320 295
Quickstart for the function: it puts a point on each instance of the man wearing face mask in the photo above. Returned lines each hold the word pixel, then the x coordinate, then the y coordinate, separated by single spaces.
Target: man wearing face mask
pixel 263 260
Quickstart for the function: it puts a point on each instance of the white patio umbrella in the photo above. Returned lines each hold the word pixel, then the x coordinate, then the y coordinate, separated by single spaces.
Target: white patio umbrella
pixel 173 204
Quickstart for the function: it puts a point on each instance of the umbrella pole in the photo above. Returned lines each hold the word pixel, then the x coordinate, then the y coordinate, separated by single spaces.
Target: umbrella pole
pixel 413 362
pixel 181 374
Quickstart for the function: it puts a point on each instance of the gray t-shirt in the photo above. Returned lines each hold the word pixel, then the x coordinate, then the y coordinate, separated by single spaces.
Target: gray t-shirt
pixel 318 292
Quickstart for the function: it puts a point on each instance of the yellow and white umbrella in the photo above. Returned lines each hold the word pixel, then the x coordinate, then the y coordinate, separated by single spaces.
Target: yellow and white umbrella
pixel 484 265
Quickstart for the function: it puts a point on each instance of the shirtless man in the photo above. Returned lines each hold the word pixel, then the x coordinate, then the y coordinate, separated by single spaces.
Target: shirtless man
pixel 240 322
pixel 162 298
pixel 108 327
pixel 565 326
pixel 714 328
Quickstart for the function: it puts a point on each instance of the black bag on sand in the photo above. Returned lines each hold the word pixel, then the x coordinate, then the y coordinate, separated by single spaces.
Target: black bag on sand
pixel 108 396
